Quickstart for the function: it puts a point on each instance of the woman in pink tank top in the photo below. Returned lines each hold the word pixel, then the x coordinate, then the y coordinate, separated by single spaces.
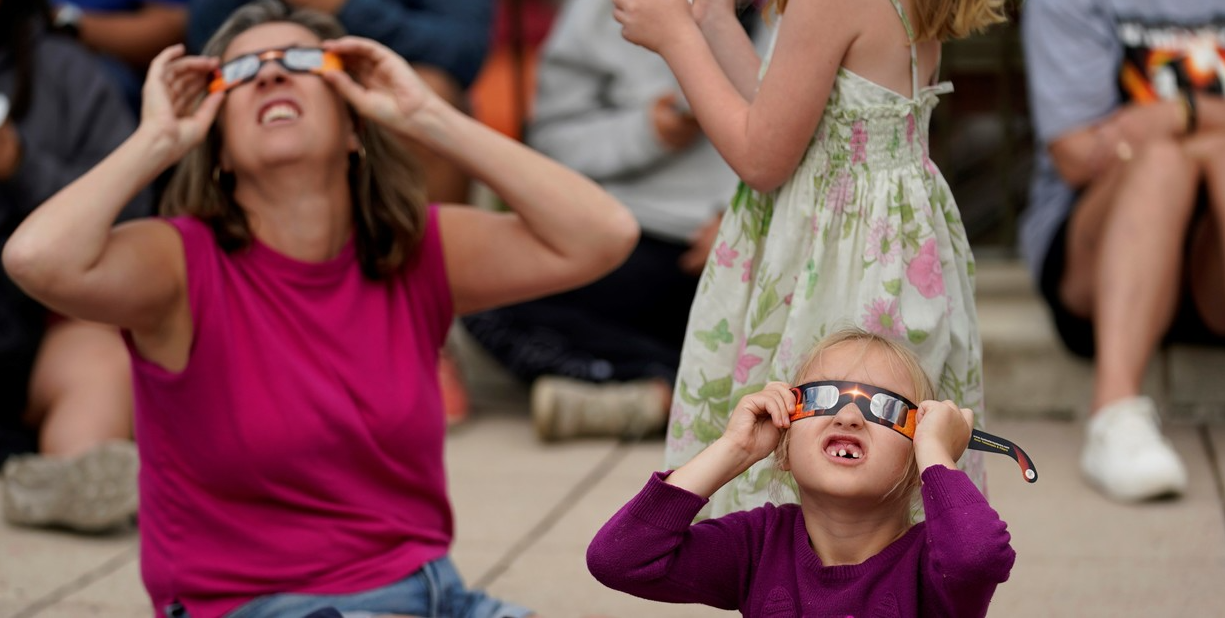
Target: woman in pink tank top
pixel 284 318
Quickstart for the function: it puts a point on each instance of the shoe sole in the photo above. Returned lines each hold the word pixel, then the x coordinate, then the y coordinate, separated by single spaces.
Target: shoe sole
pixel 92 493
pixel 1152 489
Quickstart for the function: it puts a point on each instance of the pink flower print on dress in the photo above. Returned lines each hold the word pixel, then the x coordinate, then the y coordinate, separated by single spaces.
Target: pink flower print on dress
pixel 679 418
pixel 883 318
pixel 745 362
pixel 840 192
pixel 910 126
pixel 747 271
pixel 924 271
pixel 881 244
pixel 784 354
pixel 859 142
pixel 927 161
pixel 725 255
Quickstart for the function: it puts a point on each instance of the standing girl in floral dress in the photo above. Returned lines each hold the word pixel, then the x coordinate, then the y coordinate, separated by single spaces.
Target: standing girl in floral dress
pixel 841 219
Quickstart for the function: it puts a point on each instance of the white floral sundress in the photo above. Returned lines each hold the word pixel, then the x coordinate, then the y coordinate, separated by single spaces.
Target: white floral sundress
pixel 865 233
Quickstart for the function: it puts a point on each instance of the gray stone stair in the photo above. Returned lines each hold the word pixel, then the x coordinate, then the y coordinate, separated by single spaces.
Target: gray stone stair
pixel 1028 373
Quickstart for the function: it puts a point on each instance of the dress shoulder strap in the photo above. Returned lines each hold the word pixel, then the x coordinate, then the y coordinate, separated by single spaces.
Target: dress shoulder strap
pixel 914 54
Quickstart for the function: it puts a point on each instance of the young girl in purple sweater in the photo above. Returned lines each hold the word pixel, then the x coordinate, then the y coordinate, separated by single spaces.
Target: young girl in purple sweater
pixel 858 450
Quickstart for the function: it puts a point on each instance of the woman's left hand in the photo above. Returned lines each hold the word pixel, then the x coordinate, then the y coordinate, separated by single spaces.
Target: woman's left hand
pixel 651 23
pixel 942 431
pixel 377 82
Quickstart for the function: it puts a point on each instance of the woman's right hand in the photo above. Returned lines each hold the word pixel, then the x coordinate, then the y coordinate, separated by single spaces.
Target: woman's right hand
pixel 171 107
pixel 378 83
pixel 756 423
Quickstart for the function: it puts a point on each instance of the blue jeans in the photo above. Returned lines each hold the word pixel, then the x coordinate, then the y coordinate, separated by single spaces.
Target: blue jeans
pixel 434 591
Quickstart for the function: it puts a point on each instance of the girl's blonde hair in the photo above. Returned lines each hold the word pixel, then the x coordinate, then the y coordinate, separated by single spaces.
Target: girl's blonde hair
pixel 385 184
pixel 941 19
pixel 900 357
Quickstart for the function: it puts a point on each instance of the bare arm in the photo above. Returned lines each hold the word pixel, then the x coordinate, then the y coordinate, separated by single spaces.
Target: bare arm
pixel 565 230
pixel 763 140
pixel 66 255
pixel 136 36
pixel 731 45
pixel 752 433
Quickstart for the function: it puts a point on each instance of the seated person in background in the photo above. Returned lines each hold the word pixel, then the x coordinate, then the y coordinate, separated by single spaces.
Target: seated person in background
pixel 602 359
pixel 126 33
pixel 1126 221
pixel 64 385
pixel 446 41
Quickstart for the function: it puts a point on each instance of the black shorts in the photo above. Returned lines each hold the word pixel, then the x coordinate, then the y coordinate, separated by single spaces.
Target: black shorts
pixel 1077 332
pixel 15 437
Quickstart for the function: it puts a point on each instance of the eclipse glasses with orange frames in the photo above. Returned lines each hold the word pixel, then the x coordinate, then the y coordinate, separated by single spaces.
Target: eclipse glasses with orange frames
pixel 297 59
pixel 884 407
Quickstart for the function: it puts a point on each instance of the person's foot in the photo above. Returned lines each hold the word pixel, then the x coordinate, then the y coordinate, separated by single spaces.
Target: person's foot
pixel 93 492
pixel 1125 455
pixel 566 408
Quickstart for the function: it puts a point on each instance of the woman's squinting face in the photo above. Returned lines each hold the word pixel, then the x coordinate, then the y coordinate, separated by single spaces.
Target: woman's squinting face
pixel 281 116
pixel 845 455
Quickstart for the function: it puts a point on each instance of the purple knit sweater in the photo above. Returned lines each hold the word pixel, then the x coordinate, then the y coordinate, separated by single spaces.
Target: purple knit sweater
pixel 760 561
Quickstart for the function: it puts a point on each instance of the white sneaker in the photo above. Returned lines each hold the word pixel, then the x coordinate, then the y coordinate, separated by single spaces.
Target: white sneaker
pixel 1126 456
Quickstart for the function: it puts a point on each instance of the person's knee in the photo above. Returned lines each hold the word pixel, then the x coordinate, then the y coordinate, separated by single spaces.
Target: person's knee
pixel 1165 166
pixel 1206 148
pixel 79 355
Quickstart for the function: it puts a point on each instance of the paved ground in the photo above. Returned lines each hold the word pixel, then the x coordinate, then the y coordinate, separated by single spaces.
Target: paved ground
pixel 525 513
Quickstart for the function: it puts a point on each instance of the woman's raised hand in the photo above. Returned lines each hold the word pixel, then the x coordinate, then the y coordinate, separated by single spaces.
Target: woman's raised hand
pixel 171 106
pixel 377 82
pixel 757 422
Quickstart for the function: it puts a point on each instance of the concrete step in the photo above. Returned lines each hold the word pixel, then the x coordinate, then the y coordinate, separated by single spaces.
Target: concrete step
pixel 1029 374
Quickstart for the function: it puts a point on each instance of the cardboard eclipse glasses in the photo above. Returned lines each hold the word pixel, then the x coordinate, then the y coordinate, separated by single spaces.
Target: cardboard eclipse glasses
pixel 884 407
pixel 296 59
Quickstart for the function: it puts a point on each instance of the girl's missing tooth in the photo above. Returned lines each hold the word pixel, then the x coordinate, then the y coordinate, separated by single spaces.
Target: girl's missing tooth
pixel 848 547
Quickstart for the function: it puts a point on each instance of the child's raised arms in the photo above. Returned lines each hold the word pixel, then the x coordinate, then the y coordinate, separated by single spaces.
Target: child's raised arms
pixel 942 433
pixel 764 139
pixel 752 433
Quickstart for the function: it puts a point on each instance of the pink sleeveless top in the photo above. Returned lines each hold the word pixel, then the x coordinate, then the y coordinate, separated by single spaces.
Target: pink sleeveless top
pixel 301 449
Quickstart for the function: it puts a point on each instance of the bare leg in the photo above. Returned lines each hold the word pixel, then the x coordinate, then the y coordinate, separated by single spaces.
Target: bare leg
pixel 1084 238
pixel 81 398
pixel 1130 273
pixel 444 182
pixel 1138 266
pixel 80 390
pixel 1208 241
